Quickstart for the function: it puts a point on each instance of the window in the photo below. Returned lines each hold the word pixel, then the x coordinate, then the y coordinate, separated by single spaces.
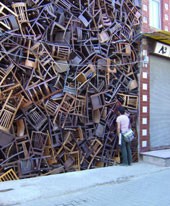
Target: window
pixel 155 14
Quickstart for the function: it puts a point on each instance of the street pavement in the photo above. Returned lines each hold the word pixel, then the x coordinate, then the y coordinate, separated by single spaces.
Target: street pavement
pixel 141 184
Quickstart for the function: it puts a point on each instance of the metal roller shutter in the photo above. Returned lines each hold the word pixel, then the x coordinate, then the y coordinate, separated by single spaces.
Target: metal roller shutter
pixel 159 102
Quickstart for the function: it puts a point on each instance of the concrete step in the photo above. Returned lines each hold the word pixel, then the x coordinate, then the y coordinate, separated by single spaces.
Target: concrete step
pixel 158 157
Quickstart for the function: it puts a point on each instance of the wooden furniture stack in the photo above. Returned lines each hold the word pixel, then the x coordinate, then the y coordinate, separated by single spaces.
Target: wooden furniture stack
pixel 65 66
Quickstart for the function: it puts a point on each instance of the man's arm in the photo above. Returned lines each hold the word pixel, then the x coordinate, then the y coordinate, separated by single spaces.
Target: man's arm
pixel 119 134
pixel 118 128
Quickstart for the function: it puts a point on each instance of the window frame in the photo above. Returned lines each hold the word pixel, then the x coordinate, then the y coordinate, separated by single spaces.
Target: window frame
pixel 152 16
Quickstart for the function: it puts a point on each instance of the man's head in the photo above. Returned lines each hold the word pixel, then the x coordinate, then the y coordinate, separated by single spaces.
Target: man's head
pixel 121 110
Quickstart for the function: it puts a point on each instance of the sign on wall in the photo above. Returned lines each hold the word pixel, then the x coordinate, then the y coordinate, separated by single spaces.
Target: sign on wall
pixel 162 49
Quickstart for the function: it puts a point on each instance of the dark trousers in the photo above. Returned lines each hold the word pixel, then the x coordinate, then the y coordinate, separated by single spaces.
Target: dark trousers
pixel 126 152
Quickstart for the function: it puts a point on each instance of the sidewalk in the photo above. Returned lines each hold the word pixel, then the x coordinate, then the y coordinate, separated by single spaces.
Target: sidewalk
pixel 20 191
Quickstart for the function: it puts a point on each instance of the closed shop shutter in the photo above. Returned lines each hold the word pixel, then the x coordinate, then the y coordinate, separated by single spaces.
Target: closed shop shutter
pixel 159 102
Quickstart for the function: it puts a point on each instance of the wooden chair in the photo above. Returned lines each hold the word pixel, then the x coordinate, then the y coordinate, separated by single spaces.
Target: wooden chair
pixel 69 83
pixel 84 147
pixel 126 33
pixel 32 53
pixel 38 142
pixel 61 24
pixel 42 17
pixel 104 36
pixel 90 150
pixel 133 13
pixel 65 108
pixel 88 47
pixel 6 138
pixel 7 152
pixel 35 117
pixel 85 74
pixel 50 150
pixel 60 51
pixel 9 23
pixel 129 101
pixel 98 100
pixel 4 73
pixel 102 69
pixel 27 168
pixel 106 21
pixel 55 134
pixel 69 142
pixel 22 140
pixel 8 112
pixel 113 88
pixel 63 4
pixel 5 10
pixel 96 115
pixel 100 129
pixel 39 91
pixel 115 28
pixel 75 161
pixel 51 107
pixel 96 146
pixel 32 167
pixel 110 153
pixel 46 64
pixel 9 175
pixel 85 17
pixel 20 8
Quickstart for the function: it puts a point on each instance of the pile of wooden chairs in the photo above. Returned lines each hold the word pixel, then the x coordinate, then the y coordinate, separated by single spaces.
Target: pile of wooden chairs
pixel 65 66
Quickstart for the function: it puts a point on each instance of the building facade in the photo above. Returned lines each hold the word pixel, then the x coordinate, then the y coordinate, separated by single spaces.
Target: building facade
pixel 154 109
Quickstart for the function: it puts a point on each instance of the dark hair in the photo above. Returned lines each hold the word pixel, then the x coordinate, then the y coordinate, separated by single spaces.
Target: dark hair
pixel 121 109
